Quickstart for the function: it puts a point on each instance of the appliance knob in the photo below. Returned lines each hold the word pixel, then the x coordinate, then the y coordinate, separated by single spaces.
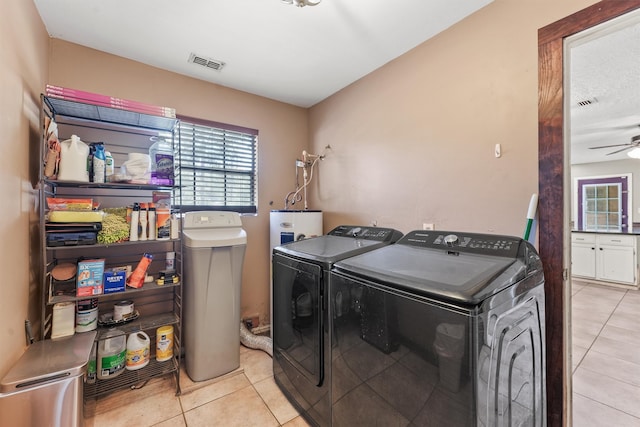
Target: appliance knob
pixel 451 239
pixel 355 231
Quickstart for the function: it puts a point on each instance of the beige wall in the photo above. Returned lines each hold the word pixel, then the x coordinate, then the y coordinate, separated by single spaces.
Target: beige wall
pixel 23 67
pixel 413 142
pixel 282 137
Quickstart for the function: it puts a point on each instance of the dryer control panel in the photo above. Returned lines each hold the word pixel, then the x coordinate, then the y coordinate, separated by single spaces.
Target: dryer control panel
pixel 487 244
pixel 367 233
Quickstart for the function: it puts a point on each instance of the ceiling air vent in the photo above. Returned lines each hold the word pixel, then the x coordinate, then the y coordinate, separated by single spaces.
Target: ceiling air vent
pixel 587 102
pixel 206 62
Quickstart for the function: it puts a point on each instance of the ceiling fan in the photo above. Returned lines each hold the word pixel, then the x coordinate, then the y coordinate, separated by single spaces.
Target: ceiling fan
pixel 635 142
pixel 586 130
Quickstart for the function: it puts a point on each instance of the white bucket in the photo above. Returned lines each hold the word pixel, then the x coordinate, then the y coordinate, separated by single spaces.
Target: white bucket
pixel 87 315
pixel 122 310
pixel 87 320
pixel 138 350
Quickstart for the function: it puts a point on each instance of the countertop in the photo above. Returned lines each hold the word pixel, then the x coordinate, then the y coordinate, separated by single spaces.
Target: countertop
pixel 634 231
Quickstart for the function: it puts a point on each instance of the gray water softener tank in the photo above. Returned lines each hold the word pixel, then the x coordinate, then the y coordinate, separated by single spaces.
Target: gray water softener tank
pixel 215 245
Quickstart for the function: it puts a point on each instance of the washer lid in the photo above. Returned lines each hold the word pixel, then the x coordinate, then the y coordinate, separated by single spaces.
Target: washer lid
pixel 342 242
pixel 464 277
pixel 327 249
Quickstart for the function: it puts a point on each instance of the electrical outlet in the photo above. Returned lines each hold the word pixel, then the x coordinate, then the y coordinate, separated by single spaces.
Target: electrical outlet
pixel 251 322
pixel 428 226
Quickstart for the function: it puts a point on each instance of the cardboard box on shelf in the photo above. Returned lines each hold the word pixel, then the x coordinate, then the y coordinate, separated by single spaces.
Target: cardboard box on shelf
pixel 114 280
pixel 90 277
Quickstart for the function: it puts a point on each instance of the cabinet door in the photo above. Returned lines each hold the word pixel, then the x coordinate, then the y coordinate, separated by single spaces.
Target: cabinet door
pixel 616 264
pixel 583 260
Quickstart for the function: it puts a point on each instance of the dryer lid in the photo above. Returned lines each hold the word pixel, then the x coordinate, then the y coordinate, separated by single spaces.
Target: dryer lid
pixel 342 242
pixel 327 248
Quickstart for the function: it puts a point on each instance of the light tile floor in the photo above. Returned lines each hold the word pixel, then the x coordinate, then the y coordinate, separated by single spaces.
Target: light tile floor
pixel 247 396
pixel 606 378
pixel 605 356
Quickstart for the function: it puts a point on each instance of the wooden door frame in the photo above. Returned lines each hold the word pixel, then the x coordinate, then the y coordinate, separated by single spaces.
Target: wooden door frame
pixel 551 187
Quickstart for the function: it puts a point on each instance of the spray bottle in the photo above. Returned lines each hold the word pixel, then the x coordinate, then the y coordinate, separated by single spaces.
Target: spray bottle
pixel 99 163
pixel 109 166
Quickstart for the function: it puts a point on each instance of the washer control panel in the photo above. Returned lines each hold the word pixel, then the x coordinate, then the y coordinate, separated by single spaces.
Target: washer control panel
pixel 367 233
pixel 456 242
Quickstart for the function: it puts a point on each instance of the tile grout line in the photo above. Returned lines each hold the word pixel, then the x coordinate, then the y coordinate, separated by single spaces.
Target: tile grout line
pixel 595 351
pixel 267 405
pixel 601 328
pixel 608 406
pixel 582 288
pixel 626 292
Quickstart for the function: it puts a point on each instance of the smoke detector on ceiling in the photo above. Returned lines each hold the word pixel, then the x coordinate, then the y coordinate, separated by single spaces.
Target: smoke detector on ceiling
pixel 214 64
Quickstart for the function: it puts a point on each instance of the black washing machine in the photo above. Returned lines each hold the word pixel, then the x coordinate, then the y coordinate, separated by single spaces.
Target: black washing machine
pixel 439 329
pixel 300 324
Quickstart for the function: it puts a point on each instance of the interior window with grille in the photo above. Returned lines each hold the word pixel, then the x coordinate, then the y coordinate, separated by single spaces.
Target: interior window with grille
pixel 216 167
pixel 603 204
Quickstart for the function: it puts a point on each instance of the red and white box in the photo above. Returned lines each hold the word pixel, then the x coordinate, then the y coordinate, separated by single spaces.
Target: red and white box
pixel 90 277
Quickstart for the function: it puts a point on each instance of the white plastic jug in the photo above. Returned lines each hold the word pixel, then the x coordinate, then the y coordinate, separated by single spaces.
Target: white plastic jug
pixel 73 160
pixel 138 350
pixel 112 349
pixel 161 154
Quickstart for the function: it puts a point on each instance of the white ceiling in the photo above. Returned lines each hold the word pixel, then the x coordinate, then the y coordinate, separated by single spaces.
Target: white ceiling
pixel 605 68
pixel 297 55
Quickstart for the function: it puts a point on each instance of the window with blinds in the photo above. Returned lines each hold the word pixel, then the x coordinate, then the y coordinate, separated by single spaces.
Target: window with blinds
pixel 216 167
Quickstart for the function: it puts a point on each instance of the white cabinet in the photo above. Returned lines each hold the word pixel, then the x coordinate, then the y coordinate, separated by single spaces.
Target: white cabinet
pixel 605 257
pixel 583 255
pixel 616 258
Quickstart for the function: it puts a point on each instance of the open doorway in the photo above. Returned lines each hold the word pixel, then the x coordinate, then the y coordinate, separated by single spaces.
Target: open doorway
pixel 602 132
pixel 553 215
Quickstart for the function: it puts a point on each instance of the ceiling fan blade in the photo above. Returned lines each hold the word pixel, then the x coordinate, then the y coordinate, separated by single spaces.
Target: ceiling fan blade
pixel 599 129
pixel 609 146
pixel 620 150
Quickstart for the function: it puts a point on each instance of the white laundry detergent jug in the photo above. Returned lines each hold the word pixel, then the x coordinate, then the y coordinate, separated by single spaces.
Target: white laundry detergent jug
pixel 161 155
pixel 73 160
pixel 138 350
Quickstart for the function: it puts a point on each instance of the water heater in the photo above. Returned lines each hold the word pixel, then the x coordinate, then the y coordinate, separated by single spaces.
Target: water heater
pixel 292 225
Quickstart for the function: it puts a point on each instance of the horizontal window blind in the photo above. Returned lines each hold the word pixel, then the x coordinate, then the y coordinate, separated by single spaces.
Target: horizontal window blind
pixel 216 167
